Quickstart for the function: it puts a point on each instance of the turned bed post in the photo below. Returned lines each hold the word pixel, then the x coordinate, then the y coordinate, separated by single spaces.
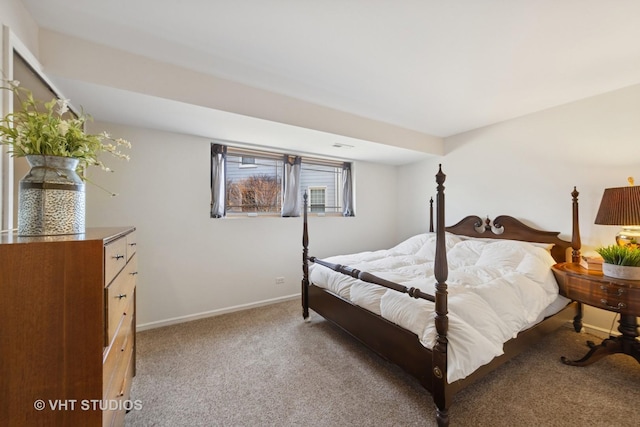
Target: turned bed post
pixel 431 215
pixel 305 261
pixel 575 253
pixel 441 271
pixel 575 233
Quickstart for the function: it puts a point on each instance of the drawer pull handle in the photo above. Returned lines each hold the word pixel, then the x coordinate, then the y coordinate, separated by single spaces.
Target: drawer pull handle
pixel 117 257
pixel 133 273
pixel 120 296
pixel 132 244
pixel 122 388
pixel 620 305
pixel 619 291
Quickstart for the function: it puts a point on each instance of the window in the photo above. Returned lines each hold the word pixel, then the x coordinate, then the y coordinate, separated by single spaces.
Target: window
pixel 323 184
pixel 247 162
pixel 317 199
pixel 252 182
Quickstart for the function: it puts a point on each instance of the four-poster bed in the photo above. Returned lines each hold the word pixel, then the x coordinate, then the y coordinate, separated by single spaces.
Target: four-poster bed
pixel 435 365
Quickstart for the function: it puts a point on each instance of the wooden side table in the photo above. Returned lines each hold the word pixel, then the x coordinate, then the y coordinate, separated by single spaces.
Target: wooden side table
pixel 608 293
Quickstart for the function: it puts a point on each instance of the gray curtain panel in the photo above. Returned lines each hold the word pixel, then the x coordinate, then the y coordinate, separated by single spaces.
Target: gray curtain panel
pixel 291 185
pixel 218 180
pixel 347 191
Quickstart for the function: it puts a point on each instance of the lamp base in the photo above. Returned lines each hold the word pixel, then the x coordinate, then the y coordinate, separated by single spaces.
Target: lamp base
pixel 629 236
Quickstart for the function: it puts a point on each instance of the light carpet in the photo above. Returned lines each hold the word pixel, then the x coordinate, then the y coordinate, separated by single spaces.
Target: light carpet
pixel 267 367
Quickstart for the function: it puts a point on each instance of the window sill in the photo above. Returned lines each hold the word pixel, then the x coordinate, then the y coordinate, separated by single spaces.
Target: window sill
pixel 267 215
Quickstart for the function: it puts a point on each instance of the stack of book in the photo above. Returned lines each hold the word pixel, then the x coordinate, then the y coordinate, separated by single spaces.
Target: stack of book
pixel 591 262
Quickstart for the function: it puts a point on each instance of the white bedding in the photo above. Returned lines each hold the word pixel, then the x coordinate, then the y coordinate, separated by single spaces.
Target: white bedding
pixel 496 289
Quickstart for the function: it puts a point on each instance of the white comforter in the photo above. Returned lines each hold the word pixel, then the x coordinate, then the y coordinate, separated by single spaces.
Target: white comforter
pixel 496 289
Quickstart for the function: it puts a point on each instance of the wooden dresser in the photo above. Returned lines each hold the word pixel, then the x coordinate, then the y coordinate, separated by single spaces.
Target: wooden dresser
pixel 67 328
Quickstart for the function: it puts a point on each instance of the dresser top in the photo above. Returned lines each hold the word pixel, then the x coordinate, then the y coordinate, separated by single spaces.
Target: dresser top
pixel 105 234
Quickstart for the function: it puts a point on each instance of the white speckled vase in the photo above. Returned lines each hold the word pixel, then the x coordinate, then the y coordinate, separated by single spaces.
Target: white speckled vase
pixel 621 271
pixel 51 198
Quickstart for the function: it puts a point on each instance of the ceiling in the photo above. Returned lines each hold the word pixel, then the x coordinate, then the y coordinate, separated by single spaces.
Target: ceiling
pixel 433 66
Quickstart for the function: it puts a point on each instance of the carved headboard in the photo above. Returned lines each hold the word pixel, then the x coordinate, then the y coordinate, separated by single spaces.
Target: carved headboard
pixel 508 227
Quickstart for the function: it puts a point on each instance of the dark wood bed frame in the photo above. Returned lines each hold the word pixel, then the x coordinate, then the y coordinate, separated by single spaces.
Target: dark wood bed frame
pixel 403 347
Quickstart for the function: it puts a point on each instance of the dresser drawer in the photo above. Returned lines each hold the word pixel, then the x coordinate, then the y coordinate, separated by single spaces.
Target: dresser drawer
pixel 119 298
pixel 132 244
pixel 584 290
pixel 120 387
pixel 602 293
pixel 119 384
pixel 618 297
pixel 115 258
pixel 113 354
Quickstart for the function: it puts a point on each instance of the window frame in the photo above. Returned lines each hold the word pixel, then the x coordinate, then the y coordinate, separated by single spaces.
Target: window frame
pixel 257 154
pixel 243 165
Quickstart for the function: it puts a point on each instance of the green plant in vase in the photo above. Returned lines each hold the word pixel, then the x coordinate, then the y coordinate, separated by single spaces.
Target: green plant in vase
pixel 51 197
pixel 620 255
pixel 621 262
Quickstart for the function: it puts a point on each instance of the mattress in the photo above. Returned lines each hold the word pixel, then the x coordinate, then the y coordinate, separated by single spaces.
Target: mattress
pixel 496 288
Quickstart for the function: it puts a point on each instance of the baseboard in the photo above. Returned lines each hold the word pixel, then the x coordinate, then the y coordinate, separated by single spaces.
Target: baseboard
pixel 203 315
pixel 599 332
pixel 591 329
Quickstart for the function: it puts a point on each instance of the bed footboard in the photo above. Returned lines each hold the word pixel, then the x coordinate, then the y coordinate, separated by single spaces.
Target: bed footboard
pixel 388 340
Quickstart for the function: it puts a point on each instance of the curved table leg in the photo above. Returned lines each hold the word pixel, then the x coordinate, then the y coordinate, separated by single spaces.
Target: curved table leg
pixel 597 352
pixel 626 343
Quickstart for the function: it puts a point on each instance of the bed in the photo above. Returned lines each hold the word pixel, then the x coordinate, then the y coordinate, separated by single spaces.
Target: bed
pixel 501 296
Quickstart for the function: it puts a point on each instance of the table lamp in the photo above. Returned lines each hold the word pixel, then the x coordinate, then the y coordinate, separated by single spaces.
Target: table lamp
pixel 621 206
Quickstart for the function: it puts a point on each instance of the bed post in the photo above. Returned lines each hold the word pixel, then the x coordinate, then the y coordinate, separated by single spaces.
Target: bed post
pixel 575 233
pixel 305 262
pixel 441 271
pixel 575 253
pixel 431 215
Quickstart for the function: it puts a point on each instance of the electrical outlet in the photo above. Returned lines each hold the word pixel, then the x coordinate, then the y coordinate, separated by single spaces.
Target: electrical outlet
pixel 279 280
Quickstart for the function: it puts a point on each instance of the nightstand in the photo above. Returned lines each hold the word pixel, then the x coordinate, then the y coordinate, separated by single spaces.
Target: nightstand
pixel 608 293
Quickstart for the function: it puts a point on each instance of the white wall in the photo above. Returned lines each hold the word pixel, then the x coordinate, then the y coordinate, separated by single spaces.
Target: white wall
pixel 71 58
pixel 14 15
pixel 19 30
pixel 527 168
pixel 524 167
pixel 190 263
